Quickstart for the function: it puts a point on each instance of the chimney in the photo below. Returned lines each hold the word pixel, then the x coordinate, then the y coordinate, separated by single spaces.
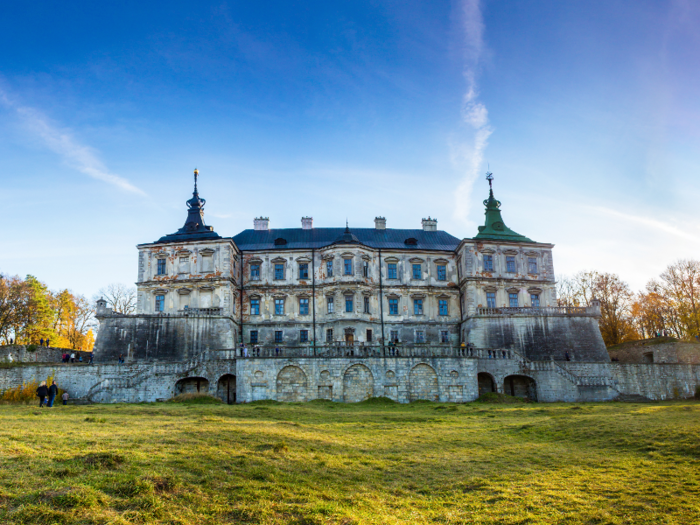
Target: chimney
pixel 379 223
pixel 307 223
pixel 429 225
pixel 261 223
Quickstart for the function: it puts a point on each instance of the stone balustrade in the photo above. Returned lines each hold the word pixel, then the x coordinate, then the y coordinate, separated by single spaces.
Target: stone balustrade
pixel 536 310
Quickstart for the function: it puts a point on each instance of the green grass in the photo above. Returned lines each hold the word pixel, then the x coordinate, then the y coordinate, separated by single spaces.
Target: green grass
pixel 374 462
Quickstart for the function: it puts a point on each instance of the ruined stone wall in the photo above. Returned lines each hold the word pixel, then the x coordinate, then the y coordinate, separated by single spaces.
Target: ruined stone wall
pixel 657 381
pixel 673 352
pixel 162 337
pixel 540 337
pixel 353 380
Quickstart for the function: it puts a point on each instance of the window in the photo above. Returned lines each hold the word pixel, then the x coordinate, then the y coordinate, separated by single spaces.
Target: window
pixel 278 336
pixel 303 306
pixel 420 336
pixel 279 306
pixel 279 271
pixel 254 272
pixel 365 269
pixel 510 263
pixel 330 302
pixel 369 335
pixel 253 337
pixel 161 267
pixel 535 300
pixel 329 268
pixel 303 270
pixel 513 300
pixel 391 271
pixel 393 307
pixel 442 307
pixel 329 335
pixel 255 307
pixel 417 272
pixel 347 266
pixel 366 305
pixel 444 336
pixel 207 263
pixel 348 304
pixel 394 336
pixel 491 299
pixel 303 336
pixel 442 272
pixel 488 263
pixel 160 303
pixel 532 265
pixel 418 307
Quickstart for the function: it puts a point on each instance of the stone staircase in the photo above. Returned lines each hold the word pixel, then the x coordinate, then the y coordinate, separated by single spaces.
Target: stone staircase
pixel 113 383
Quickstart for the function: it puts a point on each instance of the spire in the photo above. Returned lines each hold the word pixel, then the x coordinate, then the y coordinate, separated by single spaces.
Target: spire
pixel 347 237
pixel 494 227
pixel 194 227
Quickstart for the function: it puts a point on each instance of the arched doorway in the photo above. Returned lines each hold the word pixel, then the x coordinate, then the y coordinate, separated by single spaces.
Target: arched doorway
pixel 520 386
pixel 192 385
pixel 226 389
pixel 486 383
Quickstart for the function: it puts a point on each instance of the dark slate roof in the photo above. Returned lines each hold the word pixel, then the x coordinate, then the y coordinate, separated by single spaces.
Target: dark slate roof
pixel 298 238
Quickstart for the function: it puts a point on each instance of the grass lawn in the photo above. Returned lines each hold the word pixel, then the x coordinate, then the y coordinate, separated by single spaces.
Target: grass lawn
pixel 371 462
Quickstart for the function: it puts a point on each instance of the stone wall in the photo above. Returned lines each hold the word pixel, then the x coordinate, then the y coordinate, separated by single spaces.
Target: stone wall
pixel 42 354
pixel 352 380
pixel 162 337
pixel 657 381
pixel 672 352
pixel 540 337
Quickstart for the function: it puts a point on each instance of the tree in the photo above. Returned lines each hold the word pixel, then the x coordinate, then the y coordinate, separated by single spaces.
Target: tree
pixel 120 298
pixel 13 303
pixel 680 284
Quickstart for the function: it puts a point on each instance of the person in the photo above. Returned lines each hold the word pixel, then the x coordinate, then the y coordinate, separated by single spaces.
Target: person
pixel 42 392
pixel 245 351
pixel 65 398
pixel 121 359
pixel 277 350
pixel 72 357
pixel 41 341
pixel 568 357
pixel 91 355
pixel 80 358
pixel 53 391
pixel 47 342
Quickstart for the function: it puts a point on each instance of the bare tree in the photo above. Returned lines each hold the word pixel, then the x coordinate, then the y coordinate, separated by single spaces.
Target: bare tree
pixel 680 286
pixel 120 298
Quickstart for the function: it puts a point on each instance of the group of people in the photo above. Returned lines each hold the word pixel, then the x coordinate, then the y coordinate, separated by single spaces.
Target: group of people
pixel 41 342
pixel 50 392
pixel 72 358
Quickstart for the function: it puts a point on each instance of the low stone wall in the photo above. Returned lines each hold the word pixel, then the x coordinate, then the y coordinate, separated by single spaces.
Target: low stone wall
pixel 41 354
pixel 403 379
pixel 672 352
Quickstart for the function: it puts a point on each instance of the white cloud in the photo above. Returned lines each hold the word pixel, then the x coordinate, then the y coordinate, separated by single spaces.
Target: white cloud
pixel 62 142
pixel 646 221
pixel 469 150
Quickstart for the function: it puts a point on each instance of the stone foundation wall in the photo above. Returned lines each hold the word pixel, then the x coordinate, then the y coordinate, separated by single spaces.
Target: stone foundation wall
pixel 657 381
pixel 540 338
pixel 161 337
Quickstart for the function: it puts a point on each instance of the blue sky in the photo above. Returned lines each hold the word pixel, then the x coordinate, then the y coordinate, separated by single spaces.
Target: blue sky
pixel 586 111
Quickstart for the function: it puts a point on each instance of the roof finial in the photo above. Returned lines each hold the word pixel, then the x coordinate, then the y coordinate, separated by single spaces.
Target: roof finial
pixel 196 174
pixel 347 226
pixel 489 176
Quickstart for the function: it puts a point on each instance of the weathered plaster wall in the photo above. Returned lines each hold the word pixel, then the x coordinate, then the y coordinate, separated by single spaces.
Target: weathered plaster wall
pixel 540 337
pixel 162 337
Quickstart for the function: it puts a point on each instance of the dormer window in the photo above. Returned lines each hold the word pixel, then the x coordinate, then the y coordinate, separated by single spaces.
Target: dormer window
pixel 411 242
pixel 161 267
pixel 280 241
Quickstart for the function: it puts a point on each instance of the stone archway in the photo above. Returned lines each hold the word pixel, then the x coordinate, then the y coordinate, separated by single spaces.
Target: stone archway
pixel 226 389
pixel 358 384
pixel 520 386
pixel 423 383
pixel 292 385
pixel 486 383
pixel 192 385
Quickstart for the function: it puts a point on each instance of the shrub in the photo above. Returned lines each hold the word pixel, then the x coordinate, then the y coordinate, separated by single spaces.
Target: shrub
pixel 378 401
pixel 196 399
pixel 31 348
pixel 24 393
pixel 697 391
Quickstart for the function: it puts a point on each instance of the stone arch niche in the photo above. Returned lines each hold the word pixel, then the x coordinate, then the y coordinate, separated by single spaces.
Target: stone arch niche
pixel 520 386
pixel 423 383
pixel 192 385
pixel 486 383
pixel 292 385
pixel 226 389
pixel 358 384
